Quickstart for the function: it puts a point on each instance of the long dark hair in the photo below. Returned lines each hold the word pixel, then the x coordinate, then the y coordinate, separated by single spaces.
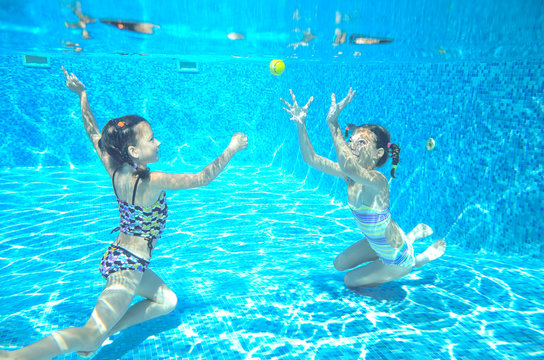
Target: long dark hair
pixel 117 135
pixel 383 141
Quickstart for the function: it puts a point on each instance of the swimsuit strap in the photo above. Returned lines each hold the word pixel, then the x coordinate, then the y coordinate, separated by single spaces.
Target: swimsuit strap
pixel 113 182
pixel 135 187
pixel 115 190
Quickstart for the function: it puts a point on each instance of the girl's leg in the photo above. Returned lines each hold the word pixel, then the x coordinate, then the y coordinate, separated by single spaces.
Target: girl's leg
pixel 112 304
pixel 374 274
pixel 377 273
pixel 160 300
pixel 433 252
pixel 419 232
pixel 355 255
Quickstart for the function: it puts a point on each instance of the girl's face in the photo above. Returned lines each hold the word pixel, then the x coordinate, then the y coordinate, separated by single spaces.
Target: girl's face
pixel 363 146
pixel 147 149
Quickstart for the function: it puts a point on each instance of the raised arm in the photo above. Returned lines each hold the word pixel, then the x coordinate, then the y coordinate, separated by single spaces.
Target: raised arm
pixel 298 115
pixel 346 160
pixel 166 181
pixel 89 122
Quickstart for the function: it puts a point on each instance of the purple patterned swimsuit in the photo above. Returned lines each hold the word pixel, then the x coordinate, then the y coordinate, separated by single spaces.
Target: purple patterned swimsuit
pixel 146 222
pixel 117 258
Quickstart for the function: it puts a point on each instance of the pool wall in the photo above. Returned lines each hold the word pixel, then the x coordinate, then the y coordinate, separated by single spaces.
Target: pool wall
pixel 480 187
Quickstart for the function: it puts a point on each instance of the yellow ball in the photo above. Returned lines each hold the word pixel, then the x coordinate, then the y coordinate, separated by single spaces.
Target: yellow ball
pixel 276 67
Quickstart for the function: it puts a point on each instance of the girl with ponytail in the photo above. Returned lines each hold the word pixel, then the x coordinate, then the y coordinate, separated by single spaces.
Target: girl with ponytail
pixel 383 142
pixel 386 249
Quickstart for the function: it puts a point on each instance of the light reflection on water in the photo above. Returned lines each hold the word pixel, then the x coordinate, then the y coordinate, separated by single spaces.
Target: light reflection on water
pixel 250 259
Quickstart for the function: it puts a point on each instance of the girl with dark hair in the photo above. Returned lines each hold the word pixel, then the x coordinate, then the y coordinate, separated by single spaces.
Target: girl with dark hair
pixel 387 249
pixel 126 146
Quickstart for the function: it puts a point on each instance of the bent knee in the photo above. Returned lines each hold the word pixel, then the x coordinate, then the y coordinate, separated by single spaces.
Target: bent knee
pixel 339 264
pixel 170 301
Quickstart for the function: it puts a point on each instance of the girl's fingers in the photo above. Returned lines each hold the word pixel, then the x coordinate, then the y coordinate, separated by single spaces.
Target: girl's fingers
pixel 293 97
pixel 308 103
pixel 286 103
pixel 347 100
pixel 351 94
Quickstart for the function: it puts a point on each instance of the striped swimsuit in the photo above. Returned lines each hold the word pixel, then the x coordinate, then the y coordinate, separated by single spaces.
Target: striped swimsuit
pixel 373 224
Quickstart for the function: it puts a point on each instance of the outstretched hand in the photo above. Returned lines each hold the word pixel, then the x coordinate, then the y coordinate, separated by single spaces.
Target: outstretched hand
pixel 73 83
pixel 238 142
pixel 298 114
pixel 335 108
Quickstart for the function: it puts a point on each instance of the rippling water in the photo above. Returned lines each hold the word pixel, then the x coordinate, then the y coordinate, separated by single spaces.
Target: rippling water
pixel 250 259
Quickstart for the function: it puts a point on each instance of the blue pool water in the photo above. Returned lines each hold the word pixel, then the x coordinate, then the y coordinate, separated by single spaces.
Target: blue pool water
pixel 250 259
pixel 250 256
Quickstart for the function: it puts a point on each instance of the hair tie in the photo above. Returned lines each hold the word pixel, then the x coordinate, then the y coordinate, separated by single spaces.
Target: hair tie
pixel 120 124
pixel 389 145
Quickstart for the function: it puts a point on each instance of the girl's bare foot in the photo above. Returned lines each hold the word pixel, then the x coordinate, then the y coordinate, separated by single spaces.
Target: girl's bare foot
pixel 92 352
pixel 85 353
pixel 433 252
pixel 88 353
pixel 419 232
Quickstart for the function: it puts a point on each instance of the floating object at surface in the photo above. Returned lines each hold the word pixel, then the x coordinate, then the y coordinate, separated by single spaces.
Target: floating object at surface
pixel 356 39
pixel 135 26
pixel 235 36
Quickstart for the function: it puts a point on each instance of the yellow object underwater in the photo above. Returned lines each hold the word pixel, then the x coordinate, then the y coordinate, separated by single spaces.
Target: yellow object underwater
pixel 276 67
pixel 430 144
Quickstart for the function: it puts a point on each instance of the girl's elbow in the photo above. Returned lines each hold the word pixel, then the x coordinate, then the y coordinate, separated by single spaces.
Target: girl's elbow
pixel 310 160
pixel 203 180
